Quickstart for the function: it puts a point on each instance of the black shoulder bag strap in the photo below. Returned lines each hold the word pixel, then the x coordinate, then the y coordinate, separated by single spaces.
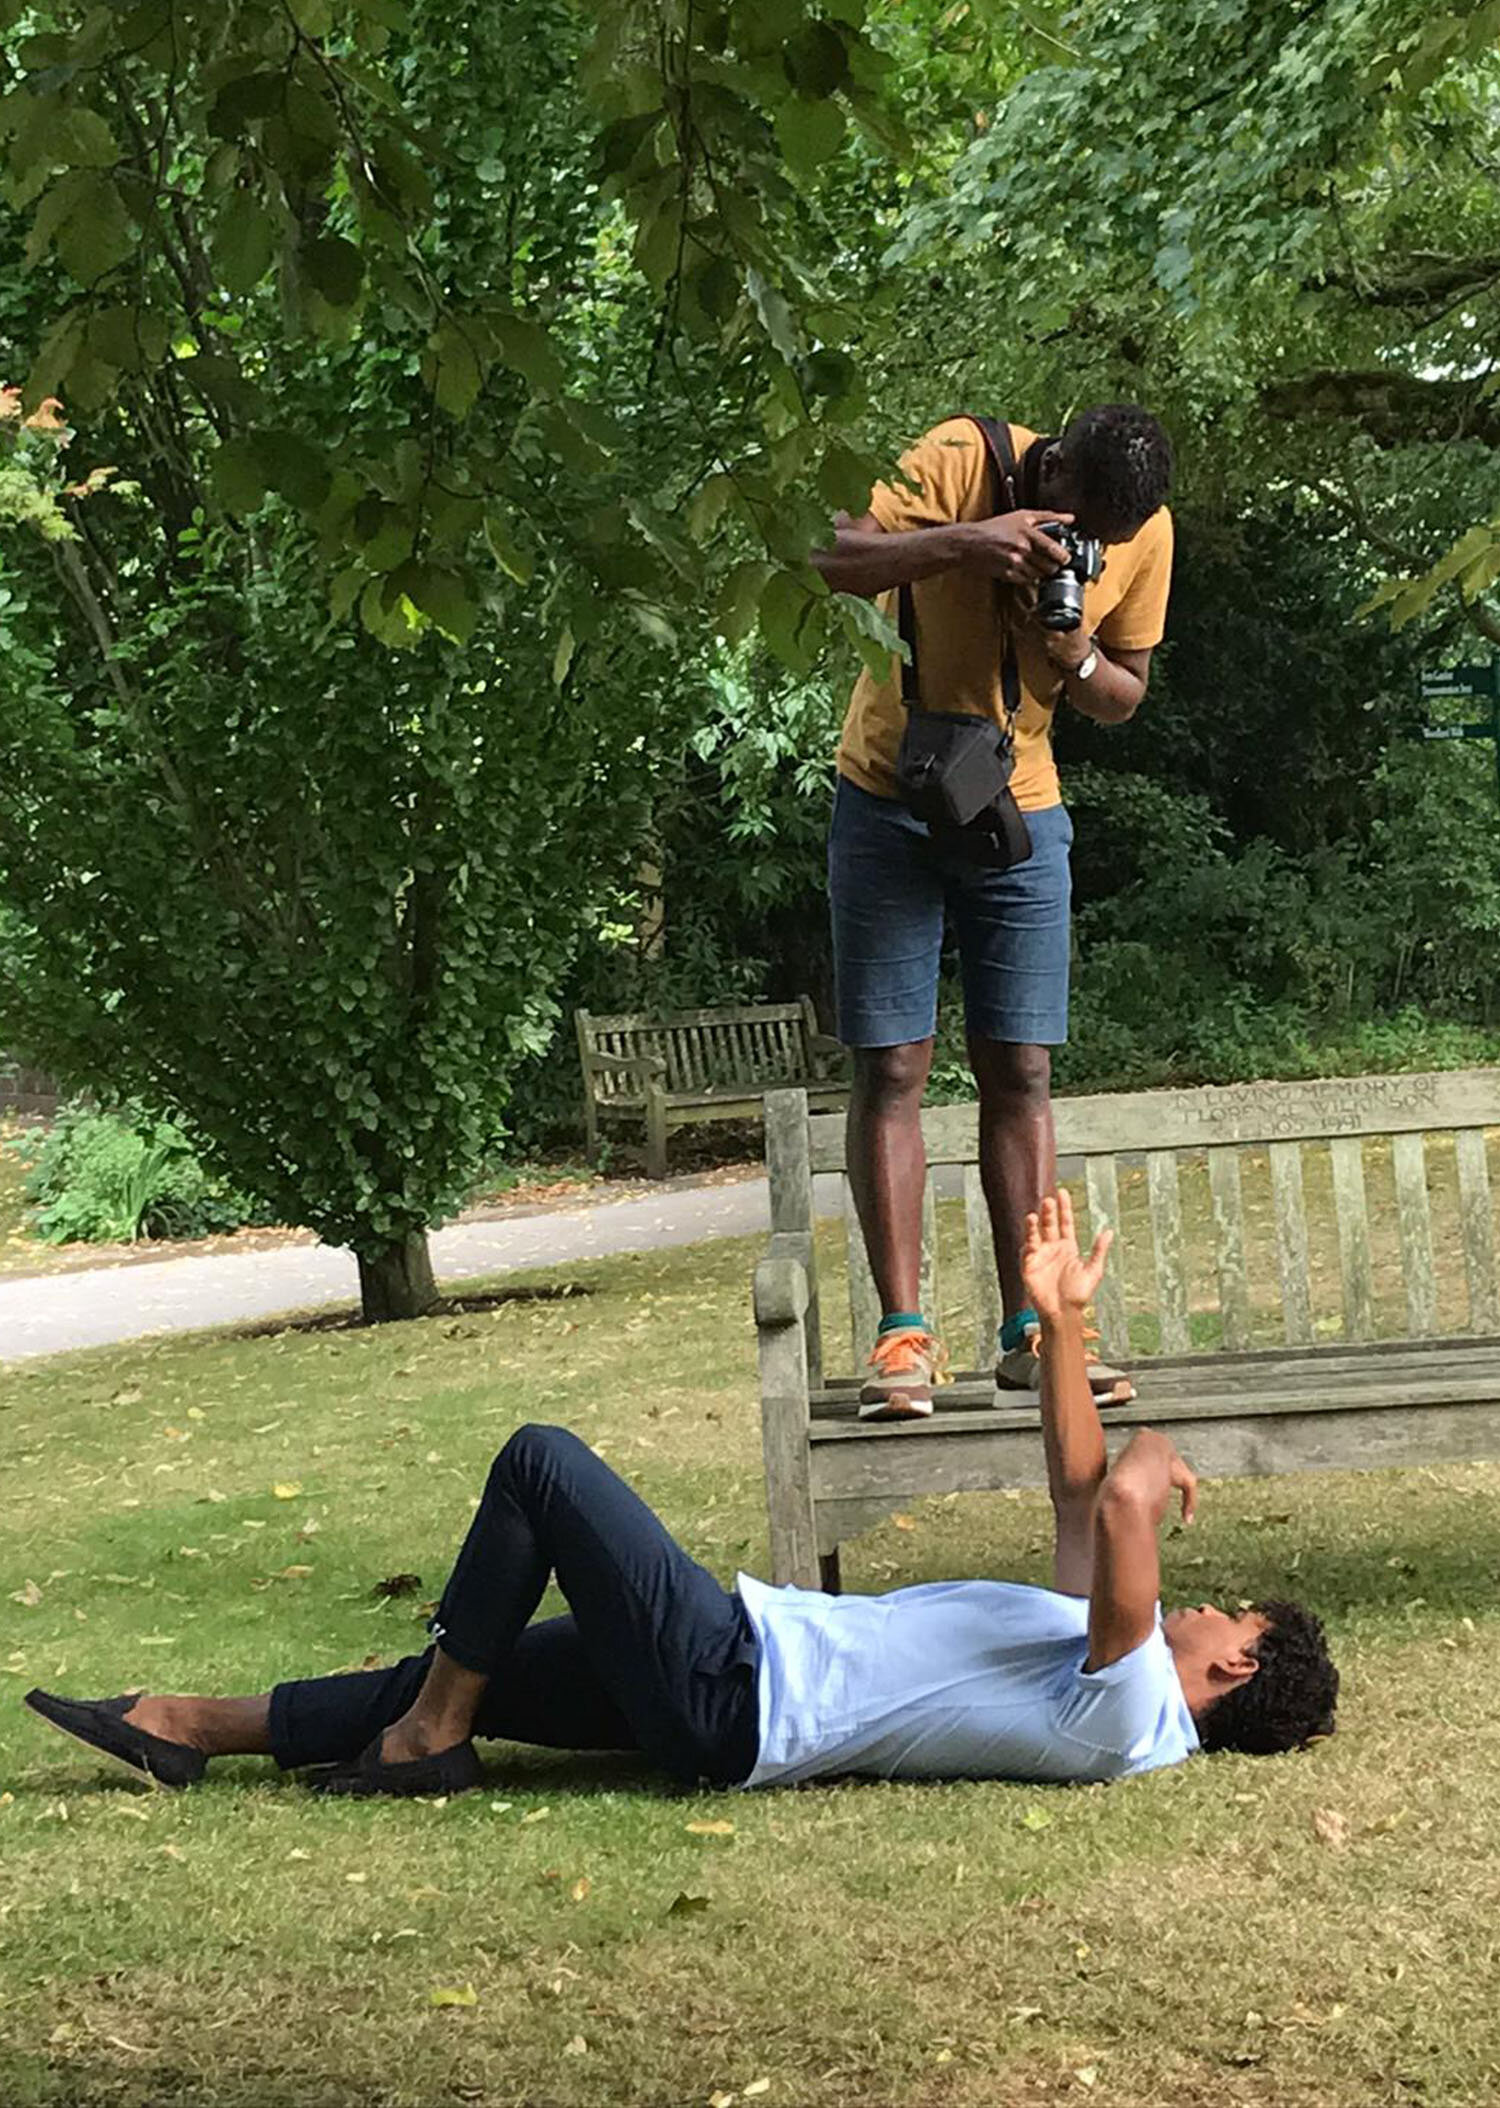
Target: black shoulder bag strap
pixel 1002 461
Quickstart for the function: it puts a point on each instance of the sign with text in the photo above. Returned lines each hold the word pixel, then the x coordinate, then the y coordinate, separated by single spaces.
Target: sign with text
pixel 1470 681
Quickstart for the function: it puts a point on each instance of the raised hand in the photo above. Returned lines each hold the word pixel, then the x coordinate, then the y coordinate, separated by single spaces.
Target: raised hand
pixel 1057 1276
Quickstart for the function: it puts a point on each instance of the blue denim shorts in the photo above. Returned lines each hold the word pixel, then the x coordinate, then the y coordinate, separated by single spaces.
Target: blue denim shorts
pixel 890 890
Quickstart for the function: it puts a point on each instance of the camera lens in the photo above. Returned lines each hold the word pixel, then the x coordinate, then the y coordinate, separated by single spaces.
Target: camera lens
pixel 1059 602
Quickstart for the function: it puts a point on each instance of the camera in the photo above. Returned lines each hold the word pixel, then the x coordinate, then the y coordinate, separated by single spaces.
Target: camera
pixel 1059 600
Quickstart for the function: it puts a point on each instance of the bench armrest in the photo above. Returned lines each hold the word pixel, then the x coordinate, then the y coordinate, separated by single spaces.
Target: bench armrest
pixel 648 1066
pixel 825 1052
pixel 782 1293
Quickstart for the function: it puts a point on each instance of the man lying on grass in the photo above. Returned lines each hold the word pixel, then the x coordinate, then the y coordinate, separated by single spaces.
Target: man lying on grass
pixel 954 1679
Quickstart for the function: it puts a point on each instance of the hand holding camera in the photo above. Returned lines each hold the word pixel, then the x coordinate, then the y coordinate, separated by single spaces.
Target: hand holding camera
pixel 1019 548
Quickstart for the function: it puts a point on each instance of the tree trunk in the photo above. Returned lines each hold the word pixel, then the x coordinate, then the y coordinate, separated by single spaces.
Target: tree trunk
pixel 398 1283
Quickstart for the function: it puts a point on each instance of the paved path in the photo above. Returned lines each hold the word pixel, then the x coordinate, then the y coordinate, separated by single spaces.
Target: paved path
pixel 48 1314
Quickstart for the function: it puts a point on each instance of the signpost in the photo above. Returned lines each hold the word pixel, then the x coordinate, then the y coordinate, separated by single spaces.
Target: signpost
pixel 1472 684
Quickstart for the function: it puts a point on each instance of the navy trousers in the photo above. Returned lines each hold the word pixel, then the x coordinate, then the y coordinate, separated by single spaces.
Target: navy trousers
pixel 654 1656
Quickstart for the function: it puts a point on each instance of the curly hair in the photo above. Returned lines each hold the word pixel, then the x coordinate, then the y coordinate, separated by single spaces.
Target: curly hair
pixel 1119 455
pixel 1290 1698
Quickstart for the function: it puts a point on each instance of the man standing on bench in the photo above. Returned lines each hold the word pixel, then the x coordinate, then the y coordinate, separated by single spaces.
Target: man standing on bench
pixel 968 581
pixel 767 1686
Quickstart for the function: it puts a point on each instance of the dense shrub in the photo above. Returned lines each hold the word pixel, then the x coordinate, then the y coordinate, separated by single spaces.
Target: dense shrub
pixel 101 1177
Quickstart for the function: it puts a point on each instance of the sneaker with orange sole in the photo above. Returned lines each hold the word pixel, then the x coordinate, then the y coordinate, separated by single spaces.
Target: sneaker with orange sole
pixel 903 1366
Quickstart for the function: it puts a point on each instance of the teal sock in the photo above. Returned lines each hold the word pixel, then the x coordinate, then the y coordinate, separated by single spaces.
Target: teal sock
pixel 1013 1332
pixel 903 1321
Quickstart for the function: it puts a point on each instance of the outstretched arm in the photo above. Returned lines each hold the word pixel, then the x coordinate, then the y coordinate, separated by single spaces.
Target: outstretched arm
pixel 1127 1563
pixel 1060 1282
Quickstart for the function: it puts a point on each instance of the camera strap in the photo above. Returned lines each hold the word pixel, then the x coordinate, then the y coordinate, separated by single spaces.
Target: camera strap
pixel 1001 453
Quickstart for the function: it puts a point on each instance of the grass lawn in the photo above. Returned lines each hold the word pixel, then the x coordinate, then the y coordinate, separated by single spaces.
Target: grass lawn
pixel 215 1512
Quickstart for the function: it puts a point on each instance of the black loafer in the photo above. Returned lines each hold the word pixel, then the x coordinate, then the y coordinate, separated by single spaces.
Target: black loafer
pixel 99 1724
pixel 452 1770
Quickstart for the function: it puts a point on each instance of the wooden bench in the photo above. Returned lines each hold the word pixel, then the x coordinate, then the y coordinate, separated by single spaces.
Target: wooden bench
pixel 695 1065
pixel 1272 1320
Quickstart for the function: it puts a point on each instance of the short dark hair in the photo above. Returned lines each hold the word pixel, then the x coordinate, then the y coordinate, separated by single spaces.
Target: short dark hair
pixel 1290 1698
pixel 1120 458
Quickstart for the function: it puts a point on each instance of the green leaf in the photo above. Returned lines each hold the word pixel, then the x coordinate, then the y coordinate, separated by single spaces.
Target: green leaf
pixel 739 598
pixel 313 17
pixel 293 467
pixel 562 658
pixel 453 1995
pixel 334 267
pixel 84 140
pixel 527 348
pixel 114 336
pixel 708 504
pixel 455 374
pixel 62 344
pixel 844 479
pixel 775 315
pixel 52 213
pixel 442 596
pixel 244 100
pixel 239 479
pixel 815 59
pixel 810 132
pixel 96 236
pixel 345 590
pixel 244 243
pixel 505 549
pixel 784 607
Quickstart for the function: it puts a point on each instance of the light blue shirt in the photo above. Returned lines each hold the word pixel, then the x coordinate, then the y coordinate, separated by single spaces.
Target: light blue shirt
pixel 952 1680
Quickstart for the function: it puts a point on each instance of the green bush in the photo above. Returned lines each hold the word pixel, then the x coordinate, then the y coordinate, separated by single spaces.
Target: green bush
pixel 103 1178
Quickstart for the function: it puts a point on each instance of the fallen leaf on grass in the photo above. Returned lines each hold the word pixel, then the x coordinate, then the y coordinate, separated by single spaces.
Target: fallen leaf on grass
pixel 576 2048
pixel 580 1888
pixel 716 1829
pixel 453 1995
pixel 500 1807
pixel 757 2087
pixel 286 1489
pixel 904 1522
pixel 357 1878
pixel 683 1905
pixel 1087 2074
pixel 297 1853
pixel 292 1573
pixel 28 1597
pixel 719 2099
pixel 1330 1828
pixel 1036 1819
pixel 537 1815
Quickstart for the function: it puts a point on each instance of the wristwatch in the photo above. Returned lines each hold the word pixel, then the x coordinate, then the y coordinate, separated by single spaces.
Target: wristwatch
pixel 1084 670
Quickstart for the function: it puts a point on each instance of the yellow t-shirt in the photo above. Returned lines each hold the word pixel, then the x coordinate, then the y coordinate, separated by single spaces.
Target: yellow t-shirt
pixel 958 645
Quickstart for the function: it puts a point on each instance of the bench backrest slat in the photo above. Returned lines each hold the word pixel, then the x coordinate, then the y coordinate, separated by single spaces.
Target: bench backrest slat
pixel 982 1269
pixel 1165 1202
pixel 1102 1185
pixel 1356 1267
pixel 864 1303
pixel 1478 1229
pixel 1414 1226
pixel 1291 1243
pixel 1229 1246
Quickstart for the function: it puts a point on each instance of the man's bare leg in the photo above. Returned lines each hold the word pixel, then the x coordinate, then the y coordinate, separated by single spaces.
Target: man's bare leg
pixel 441 1715
pixel 887 1164
pixel 219 1727
pixel 1017 1148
